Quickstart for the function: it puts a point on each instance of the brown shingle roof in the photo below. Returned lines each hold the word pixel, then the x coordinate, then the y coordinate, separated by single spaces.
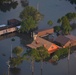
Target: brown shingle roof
pixel 62 39
pixel 40 42
pixel 43 41
pixel 44 32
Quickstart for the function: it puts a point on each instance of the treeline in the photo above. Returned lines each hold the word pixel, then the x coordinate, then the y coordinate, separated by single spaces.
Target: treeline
pixel 7 5
pixel 64 21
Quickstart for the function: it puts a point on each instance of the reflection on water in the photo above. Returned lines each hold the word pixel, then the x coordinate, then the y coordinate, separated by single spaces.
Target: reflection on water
pixel 15 71
pixel 24 3
pixel 72 1
pixel 11 4
pixel 68 66
pixel 52 9
pixel 7 6
pixel 59 68
pixel 25 39
pixel 7 36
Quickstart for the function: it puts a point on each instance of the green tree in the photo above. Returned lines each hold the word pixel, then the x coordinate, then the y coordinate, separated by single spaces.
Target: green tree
pixel 71 16
pixel 32 55
pixel 55 58
pixel 17 50
pixel 28 24
pixel 59 20
pixel 66 28
pixel 50 22
pixel 15 61
pixel 61 52
pixel 31 11
pixel 57 28
pixel 42 54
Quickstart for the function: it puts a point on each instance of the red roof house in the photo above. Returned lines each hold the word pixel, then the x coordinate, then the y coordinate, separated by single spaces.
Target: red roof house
pixel 44 32
pixel 51 47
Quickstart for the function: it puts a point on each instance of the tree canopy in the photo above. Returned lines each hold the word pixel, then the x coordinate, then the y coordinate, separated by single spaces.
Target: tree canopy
pixel 66 28
pixel 17 50
pixel 15 61
pixel 57 28
pixel 43 53
pixel 30 17
pixel 7 5
pixel 28 24
pixel 50 22
pixel 71 16
pixel 31 11
pixel 65 22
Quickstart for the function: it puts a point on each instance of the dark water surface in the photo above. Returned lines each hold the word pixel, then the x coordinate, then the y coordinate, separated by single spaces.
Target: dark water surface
pixel 52 10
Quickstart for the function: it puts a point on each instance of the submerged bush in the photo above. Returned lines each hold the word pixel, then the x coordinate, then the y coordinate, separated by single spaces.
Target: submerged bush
pixel 55 58
pixel 61 53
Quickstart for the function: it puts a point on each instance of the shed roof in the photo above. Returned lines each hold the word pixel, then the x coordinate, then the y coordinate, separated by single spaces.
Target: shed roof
pixel 62 39
pixel 13 22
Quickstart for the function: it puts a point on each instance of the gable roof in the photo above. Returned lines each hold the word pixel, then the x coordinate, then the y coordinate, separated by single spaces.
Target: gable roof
pixel 62 39
pixel 44 32
pixel 40 42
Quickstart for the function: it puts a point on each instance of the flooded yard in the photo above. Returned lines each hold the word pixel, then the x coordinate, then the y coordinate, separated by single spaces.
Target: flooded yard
pixel 52 10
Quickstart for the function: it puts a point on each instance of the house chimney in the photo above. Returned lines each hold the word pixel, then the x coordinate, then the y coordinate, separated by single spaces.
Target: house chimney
pixel 34 37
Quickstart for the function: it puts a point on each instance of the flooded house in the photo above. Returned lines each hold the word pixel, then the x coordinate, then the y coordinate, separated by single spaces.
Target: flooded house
pixel 65 40
pixel 13 25
pixel 72 39
pixel 7 29
pixel 38 41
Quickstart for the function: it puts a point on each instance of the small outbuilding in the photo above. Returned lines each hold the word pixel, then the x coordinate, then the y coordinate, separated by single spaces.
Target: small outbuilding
pixel 14 22
pixel 72 39
pixel 62 41
pixel 44 32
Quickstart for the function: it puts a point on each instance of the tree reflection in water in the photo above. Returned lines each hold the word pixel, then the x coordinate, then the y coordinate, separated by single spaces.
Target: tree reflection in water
pixel 24 3
pixel 25 39
pixel 15 71
pixel 2 37
pixel 68 67
pixel 8 5
pixel 72 1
